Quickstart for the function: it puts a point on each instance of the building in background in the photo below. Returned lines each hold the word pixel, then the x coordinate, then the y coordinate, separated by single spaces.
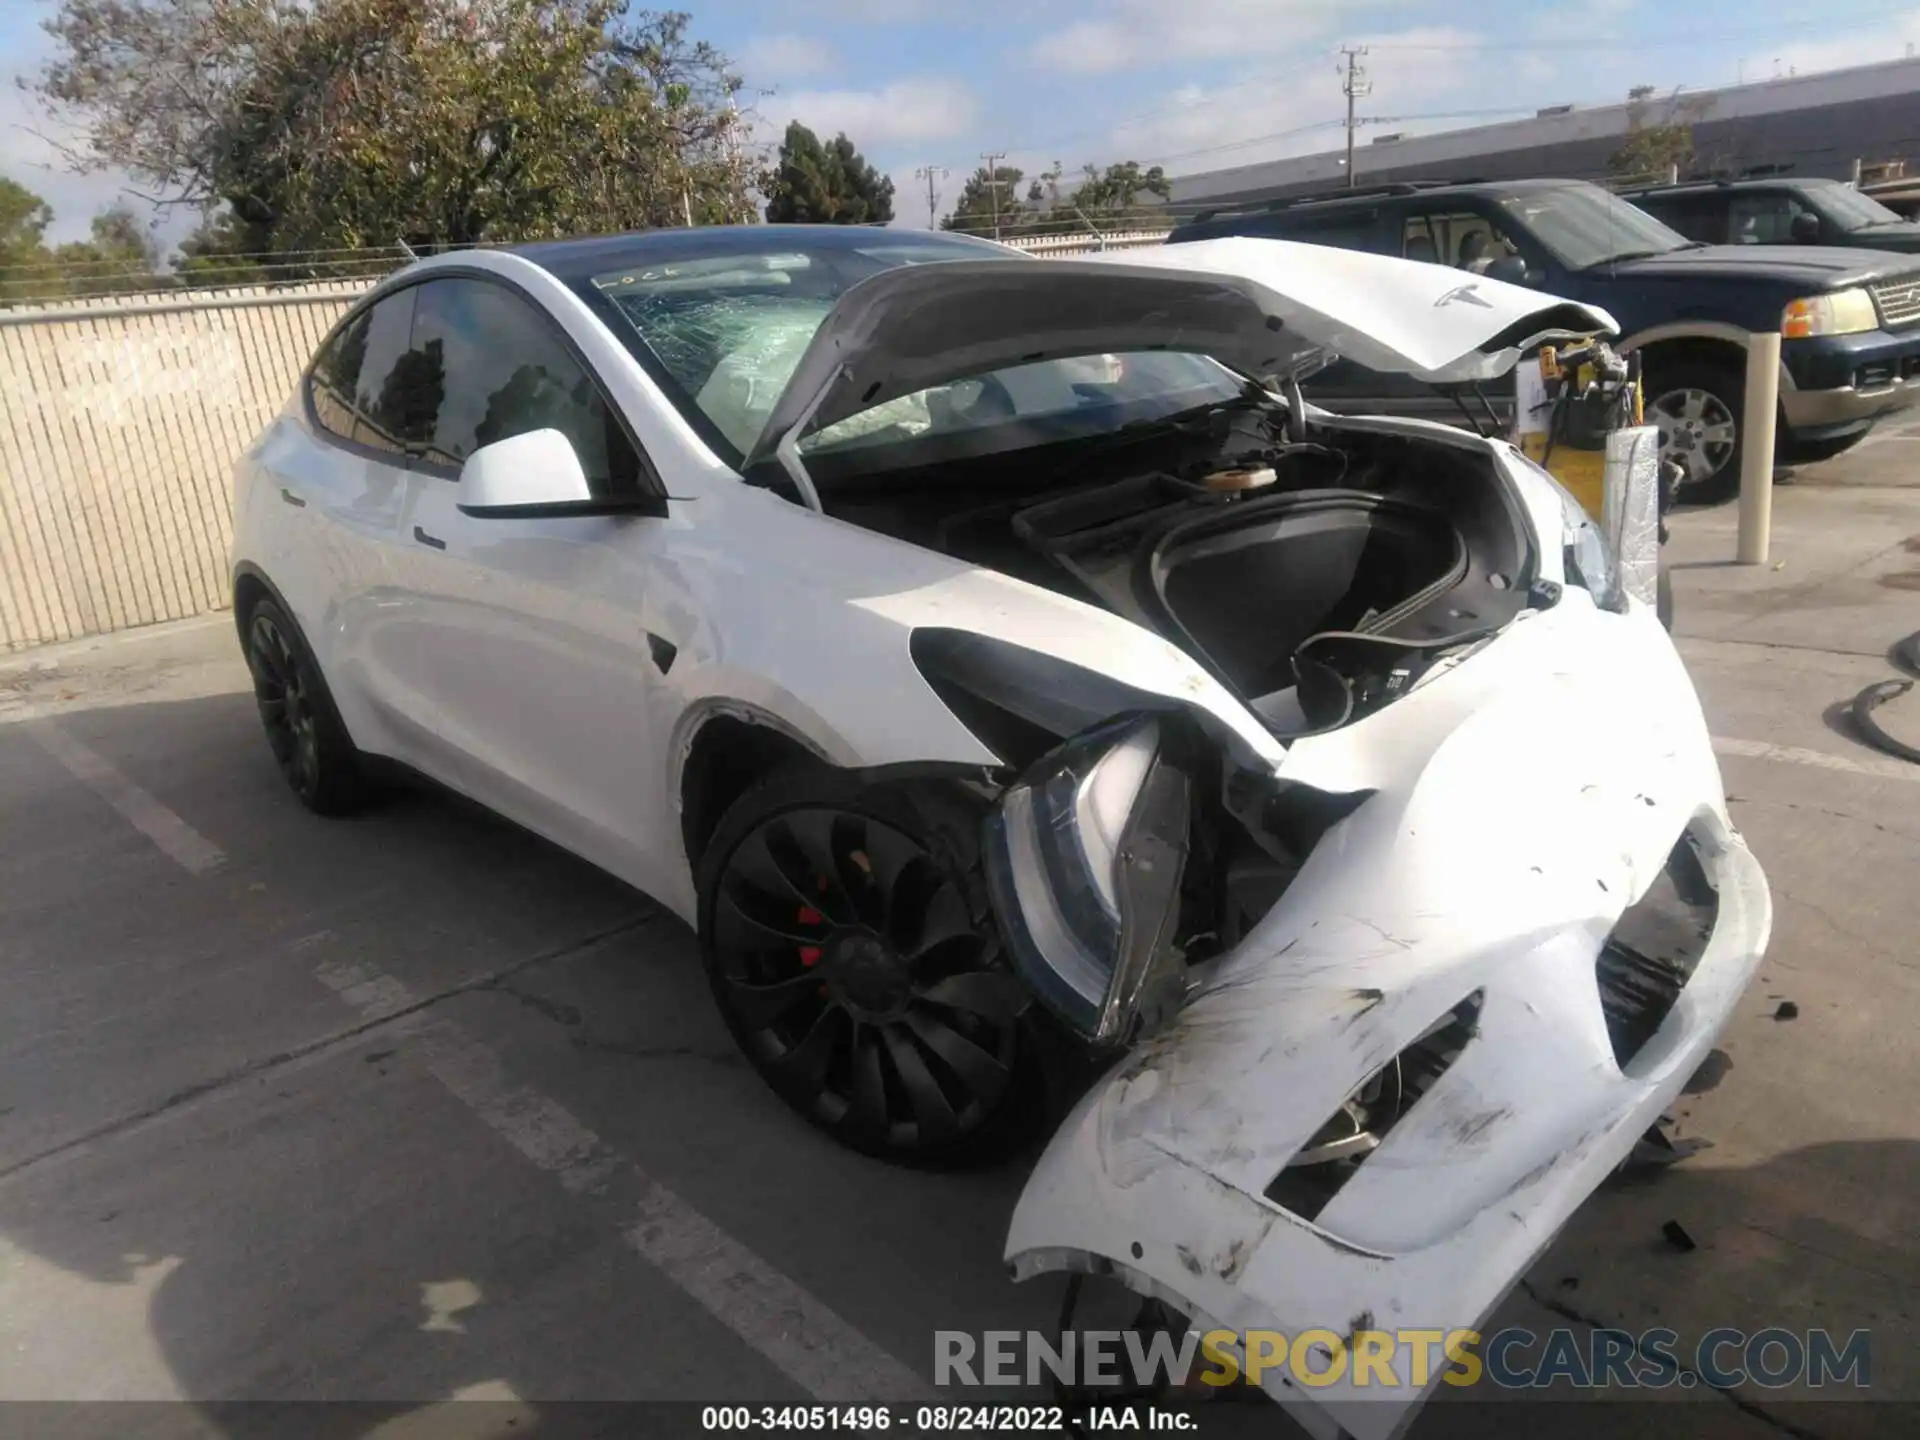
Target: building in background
pixel 1820 124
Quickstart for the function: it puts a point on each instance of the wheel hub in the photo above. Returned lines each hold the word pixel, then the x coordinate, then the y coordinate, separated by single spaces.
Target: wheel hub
pixel 866 975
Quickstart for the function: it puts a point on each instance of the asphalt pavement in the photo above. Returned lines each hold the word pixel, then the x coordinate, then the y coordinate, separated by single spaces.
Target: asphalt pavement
pixel 412 1107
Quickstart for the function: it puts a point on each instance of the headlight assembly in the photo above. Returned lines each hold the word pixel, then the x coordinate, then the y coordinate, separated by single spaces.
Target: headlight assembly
pixel 1084 859
pixel 1586 555
pixel 1844 312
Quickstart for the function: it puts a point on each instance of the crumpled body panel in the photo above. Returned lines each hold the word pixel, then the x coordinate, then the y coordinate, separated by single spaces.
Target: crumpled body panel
pixel 1523 800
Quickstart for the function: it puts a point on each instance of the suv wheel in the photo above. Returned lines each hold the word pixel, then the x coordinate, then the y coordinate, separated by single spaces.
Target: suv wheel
pixel 1697 405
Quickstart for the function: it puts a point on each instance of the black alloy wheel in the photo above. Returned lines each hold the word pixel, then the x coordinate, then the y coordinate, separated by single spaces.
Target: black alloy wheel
pixel 305 734
pixel 853 958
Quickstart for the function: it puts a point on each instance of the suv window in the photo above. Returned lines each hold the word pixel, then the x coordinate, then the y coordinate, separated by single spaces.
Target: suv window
pixel 1701 215
pixel 1459 237
pixel 1345 228
pixel 356 381
pixel 1763 217
pixel 486 366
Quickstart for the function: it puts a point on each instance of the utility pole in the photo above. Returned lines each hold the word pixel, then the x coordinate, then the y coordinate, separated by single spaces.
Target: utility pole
pixel 993 187
pixel 1353 80
pixel 930 173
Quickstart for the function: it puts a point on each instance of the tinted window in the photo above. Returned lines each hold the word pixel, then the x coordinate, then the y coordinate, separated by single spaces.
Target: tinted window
pixel 1343 229
pixel 358 377
pixel 1459 238
pixel 486 366
pixel 1763 217
pixel 1699 216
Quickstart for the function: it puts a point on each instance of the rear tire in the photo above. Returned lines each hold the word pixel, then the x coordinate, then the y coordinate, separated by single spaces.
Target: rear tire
pixel 309 742
pixel 851 949
pixel 1697 405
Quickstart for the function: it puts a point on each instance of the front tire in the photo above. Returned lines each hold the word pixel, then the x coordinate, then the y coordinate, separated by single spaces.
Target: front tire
pixel 851 949
pixel 1697 405
pixel 309 742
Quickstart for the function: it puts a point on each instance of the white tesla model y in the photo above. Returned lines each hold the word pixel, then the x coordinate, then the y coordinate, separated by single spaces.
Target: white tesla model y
pixel 994 658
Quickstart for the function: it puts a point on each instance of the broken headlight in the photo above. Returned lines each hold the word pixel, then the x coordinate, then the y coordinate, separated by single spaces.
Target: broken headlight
pixel 1586 555
pixel 1084 858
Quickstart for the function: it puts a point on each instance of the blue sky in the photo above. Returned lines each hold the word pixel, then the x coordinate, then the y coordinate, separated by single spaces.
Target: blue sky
pixel 1190 84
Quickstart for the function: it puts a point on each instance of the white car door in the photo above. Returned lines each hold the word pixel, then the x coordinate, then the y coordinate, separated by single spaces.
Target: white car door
pixel 528 667
pixel 341 482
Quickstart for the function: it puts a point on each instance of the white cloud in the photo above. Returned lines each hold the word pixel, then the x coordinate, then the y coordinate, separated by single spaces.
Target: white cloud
pixel 1860 47
pixel 30 155
pixel 926 107
pixel 783 57
pixel 880 12
pixel 1268 116
pixel 1136 33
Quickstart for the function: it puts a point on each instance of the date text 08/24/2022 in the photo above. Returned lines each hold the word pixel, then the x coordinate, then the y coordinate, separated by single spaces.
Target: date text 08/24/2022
pixel 937 1419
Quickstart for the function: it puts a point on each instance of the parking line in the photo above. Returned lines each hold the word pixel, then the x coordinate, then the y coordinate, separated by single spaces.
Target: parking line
pixel 1794 755
pixel 796 1332
pixel 174 837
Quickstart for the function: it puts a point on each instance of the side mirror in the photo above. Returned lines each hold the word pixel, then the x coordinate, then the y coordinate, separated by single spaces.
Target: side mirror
pixel 1512 269
pixel 1805 229
pixel 535 475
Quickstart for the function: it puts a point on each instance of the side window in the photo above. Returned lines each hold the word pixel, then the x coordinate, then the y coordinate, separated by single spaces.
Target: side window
pixel 487 366
pixel 1344 229
pixel 1417 240
pixel 1459 238
pixel 1762 218
pixel 359 380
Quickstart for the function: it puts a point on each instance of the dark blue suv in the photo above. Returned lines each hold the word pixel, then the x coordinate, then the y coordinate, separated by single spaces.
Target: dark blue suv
pixel 1849 318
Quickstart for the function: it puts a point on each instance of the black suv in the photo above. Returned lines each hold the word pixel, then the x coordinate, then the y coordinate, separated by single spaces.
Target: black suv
pixel 1850 319
pixel 1778 212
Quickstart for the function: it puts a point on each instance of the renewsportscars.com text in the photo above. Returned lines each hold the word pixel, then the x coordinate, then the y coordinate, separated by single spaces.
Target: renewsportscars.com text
pixel 1514 1358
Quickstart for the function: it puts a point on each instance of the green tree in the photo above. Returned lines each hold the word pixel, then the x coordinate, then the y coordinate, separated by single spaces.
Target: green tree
pixel 216 254
pixel 24 218
pixel 335 123
pixel 119 256
pixel 986 196
pixel 1654 147
pixel 1111 198
pixel 832 184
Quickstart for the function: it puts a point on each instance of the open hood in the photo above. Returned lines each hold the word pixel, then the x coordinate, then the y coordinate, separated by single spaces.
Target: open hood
pixel 1261 307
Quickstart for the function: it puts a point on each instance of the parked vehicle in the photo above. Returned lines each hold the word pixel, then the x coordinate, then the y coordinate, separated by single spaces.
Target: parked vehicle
pixel 1850 318
pixel 1778 211
pixel 992 660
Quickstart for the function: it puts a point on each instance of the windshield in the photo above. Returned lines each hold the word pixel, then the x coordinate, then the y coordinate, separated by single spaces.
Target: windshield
pixel 729 330
pixel 1849 209
pixel 1041 402
pixel 1583 226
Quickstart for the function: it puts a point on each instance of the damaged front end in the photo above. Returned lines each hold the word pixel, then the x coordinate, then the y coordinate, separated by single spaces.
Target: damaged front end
pixel 1383 1018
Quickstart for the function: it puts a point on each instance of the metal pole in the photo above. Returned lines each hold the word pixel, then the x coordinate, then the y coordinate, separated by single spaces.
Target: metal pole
pixel 1354 85
pixel 1756 460
pixel 993 188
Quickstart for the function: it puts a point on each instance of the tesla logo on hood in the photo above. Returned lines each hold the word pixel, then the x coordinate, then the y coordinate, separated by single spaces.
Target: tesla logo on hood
pixel 1463 292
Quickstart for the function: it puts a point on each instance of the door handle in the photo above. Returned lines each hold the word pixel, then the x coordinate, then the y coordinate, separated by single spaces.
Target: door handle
pixel 425 539
pixel 291 498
